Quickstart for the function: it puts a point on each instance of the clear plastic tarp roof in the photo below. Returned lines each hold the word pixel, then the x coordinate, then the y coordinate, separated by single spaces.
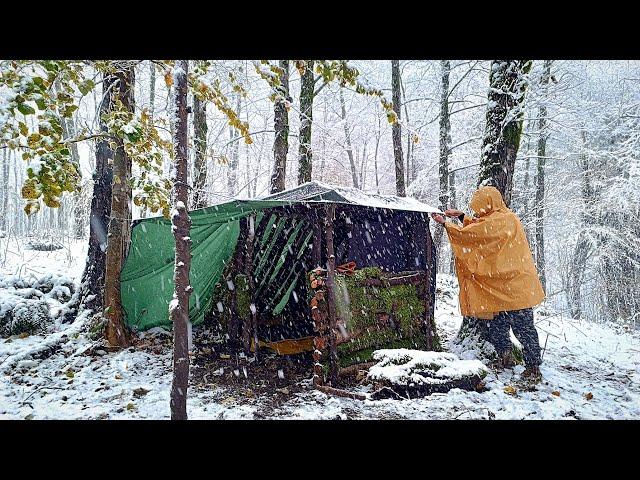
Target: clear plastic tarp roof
pixel 321 192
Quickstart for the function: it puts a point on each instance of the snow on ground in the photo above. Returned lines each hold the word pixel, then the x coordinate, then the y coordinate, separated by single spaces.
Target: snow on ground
pixel 15 259
pixel 591 371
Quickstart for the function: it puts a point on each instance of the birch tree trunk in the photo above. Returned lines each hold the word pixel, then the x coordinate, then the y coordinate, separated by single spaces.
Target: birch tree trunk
pixel 396 129
pixel 281 127
pixel 305 156
pixel 507 88
pixel 200 152
pixel 120 221
pixel 181 226
pixel 347 136
pixel 540 174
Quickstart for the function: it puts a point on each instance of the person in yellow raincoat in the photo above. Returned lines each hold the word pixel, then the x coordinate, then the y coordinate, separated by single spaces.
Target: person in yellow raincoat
pixel 498 279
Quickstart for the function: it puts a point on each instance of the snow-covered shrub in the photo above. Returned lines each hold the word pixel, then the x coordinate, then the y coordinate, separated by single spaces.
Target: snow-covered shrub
pixel 50 285
pixel 25 316
pixel 43 245
pixel 29 304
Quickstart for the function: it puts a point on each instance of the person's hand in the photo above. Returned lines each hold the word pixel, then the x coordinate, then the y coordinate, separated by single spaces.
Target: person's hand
pixel 438 218
pixel 453 213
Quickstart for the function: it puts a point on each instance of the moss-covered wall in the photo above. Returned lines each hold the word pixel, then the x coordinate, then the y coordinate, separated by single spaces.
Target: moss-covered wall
pixel 375 317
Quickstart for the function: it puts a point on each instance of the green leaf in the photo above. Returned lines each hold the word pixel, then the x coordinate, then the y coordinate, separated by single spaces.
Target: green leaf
pixel 50 66
pixel 26 109
pixel 86 86
pixel 69 110
pixel 40 104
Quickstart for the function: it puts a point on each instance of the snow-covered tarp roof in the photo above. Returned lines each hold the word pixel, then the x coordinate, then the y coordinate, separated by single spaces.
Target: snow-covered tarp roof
pixel 322 192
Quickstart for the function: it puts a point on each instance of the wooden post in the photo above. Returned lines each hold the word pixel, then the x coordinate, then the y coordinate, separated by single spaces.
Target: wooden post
pixel 318 311
pixel 254 311
pixel 247 327
pixel 316 252
pixel 331 295
pixel 238 267
pixel 429 291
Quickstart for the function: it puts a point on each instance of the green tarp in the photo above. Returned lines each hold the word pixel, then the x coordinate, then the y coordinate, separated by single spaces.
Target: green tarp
pixel 147 276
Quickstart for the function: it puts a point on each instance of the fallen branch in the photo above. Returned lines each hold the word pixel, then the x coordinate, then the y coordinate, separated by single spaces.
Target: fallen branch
pixel 354 369
pixel 341 393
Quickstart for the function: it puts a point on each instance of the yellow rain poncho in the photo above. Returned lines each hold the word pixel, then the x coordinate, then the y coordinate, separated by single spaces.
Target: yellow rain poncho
pixel 493 260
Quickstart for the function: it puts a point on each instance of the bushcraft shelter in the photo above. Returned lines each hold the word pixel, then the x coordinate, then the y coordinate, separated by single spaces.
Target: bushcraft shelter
pixel 315 268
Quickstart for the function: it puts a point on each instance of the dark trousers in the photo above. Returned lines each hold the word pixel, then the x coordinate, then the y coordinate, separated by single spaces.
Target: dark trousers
pixel 521 322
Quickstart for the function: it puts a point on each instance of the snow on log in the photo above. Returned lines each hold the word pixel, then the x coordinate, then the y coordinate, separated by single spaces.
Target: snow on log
pixel 404 373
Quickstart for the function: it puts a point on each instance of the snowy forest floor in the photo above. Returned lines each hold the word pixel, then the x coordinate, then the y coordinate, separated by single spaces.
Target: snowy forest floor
pixel 591 371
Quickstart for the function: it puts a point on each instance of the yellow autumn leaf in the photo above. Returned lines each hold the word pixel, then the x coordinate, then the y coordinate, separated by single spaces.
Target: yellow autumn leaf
pixel 556 393
pixel 510 390
pixel 168 79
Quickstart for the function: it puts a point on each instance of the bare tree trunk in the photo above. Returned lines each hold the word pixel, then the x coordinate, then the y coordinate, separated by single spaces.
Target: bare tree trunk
pixel 120 221
pixel 305 160
pixel 69 131
pixel 410 165
pixel 375 155
pixel 200 152
pixel 281 127
pixel 347 136
pixel 4 213
pixel 396 129
pixel 94 270
pixel 324 143
pixel 445 144
pixel 583 248
pixel 181 225
pixel 525 197
pixel 363 167
pixel 507 88
pixel 453 203
pixel 152 88
pixel 234 156
pixel 152 106
pixel 16 208
pixel 540 180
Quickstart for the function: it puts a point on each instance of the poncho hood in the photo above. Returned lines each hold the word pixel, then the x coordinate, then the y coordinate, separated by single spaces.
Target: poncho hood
pixel 487 200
